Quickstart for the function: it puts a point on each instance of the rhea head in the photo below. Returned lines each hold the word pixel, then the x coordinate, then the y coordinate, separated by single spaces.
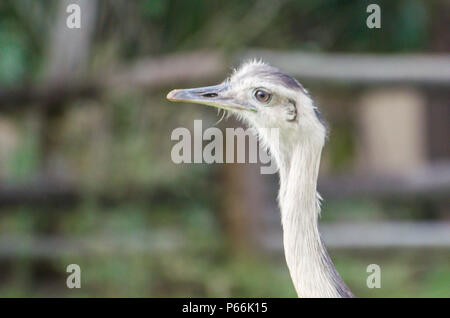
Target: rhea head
pixel 265 98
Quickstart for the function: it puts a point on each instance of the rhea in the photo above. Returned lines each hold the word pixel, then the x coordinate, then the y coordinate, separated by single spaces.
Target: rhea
pixel 265 98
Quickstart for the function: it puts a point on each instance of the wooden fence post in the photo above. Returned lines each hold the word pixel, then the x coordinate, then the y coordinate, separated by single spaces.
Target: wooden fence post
pixel 391 125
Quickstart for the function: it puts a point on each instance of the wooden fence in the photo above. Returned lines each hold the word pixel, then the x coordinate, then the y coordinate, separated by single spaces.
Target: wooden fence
pixel 431 182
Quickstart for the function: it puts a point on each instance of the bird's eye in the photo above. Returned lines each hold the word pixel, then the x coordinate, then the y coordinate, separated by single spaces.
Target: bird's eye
pixel 262 96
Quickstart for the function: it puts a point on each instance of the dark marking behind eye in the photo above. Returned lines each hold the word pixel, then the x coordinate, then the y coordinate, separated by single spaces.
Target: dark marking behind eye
pixel 322 121
pixel 288 81
pixel 284 79
pixel 319 116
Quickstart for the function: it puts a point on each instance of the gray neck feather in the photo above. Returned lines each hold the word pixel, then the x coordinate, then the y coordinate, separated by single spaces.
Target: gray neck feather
pixel 310 266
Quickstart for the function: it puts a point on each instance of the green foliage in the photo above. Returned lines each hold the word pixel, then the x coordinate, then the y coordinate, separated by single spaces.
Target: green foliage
pixel 154 9
pixel 13 52
pixel 161 26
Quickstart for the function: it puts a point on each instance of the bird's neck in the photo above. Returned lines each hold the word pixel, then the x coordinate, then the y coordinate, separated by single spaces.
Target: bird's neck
pixel 311 269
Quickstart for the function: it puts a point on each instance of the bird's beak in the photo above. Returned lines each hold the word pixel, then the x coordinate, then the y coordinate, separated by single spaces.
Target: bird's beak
pixel 216 96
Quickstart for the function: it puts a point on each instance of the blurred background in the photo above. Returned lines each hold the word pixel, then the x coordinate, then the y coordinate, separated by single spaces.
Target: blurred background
pixel 86 175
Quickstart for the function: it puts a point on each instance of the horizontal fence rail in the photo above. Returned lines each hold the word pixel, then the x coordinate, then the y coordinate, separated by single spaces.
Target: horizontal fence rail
pixel 360 68
pixel 144 74
pixel 340 235
pixel 376 235
pixel 431 182
pixel 153 73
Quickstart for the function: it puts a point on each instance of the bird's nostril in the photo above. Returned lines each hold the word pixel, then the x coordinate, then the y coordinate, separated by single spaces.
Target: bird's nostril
pixel 209 95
